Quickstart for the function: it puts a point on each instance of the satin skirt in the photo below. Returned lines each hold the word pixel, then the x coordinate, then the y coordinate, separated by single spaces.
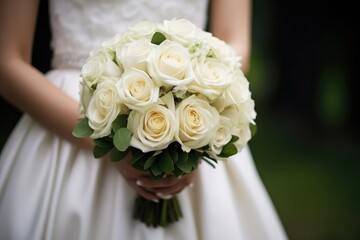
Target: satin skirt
pixel 50 189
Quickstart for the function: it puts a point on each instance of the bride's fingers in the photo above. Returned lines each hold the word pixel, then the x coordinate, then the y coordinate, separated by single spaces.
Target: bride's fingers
pixel 142 192
pixel 167 186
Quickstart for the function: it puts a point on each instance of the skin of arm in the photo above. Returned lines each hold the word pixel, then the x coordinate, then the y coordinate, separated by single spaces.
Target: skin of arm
pixel 230 20
pixel 23 85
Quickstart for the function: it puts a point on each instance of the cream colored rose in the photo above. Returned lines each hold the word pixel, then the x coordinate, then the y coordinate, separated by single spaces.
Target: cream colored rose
pixel 134 54
pixel 179 30
pixel 137 90
pixel 153 129
pixel 85 97
pixel 222 136
pixel 212 78
pixel 103 108
pixel 197 121
pixel 142 30
pixel 169 64
pixel 98 66
pixel 224 52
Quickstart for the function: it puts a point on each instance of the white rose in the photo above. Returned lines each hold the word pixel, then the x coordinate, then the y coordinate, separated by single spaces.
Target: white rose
pixel 153 129
pixel 224 52
pixel 137 90
pixel 222 136
pixel 198 121
pixel 244 134
pixel 134 54
pixel 237 93
pixel 212 77
pixel 85 97
pixel 169 64
pixel 142 30
pixel 103 108
pixel 98 66
pixel 179 30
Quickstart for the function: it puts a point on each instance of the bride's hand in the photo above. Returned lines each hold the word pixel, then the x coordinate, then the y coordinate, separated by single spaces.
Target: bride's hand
pixel 149 188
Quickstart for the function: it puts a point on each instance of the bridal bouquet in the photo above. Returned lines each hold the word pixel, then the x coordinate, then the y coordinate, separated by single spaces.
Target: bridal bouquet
pixel 169 93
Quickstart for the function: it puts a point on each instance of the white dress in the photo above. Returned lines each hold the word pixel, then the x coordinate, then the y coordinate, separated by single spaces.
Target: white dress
pixel 51 190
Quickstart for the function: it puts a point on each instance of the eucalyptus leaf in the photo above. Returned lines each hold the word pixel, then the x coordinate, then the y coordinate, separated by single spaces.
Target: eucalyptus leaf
pixel 149 162
pixel 165 162
pixel 117 155
pixel 253 129
pixel 82 129
pixel 136 155
pixel 173 154
pixel 120 122
pixel 103 142
pixel 158 38
pixel 183 162
pixel 156 170
pixel 122 139
pixel 100 151
pixel 228 150
pixel 234 138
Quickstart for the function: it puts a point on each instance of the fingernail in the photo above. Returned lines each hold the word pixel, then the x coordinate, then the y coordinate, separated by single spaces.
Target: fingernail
pixel 139 183
pixel 179 177
pixel 191 185
pixel 163 196
pixel 156 200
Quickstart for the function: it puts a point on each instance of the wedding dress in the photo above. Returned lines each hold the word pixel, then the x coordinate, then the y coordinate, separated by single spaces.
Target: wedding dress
pixel 50 189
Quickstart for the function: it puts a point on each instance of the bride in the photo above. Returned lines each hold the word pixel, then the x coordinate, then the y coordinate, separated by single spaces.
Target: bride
pixel 51 187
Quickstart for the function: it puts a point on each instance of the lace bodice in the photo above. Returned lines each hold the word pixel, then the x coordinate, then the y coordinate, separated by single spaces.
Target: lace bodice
pixel 80 25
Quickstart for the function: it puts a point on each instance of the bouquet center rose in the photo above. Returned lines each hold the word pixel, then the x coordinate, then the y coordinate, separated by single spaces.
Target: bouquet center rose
pixel 169 93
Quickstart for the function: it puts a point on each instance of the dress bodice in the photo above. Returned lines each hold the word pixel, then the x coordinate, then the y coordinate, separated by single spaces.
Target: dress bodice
pixel 80 25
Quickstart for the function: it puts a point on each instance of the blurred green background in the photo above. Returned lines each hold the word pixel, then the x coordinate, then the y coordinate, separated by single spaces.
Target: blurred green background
pixel 307 146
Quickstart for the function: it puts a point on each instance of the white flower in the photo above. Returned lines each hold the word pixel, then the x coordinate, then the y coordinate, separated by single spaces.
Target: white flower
pixel 180 30
pixel 224 52
pixel 198 121
pixel 134 54
pixel 103 108
pixel 153 129
pixel 137 90
pixel 169 64
pixel 99 65
pixel 85 97
pixel 212 77
pixel 142 30
pixel 222 136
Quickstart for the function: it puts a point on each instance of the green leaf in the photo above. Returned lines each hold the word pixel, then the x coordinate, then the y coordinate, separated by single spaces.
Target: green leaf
pixel 82 129
pixel 117 155
pixel 253 129
pixel 234 138
pixel 120 122
pixel 158 38
pixel 173 154
pixel 100 151
pixel 228 150
pixel 183 163
pixel 149 162
pixel 193 159
pixel 165 161
pixel 103 142
pixel 136 155
pixel 122 139
pixel 156 170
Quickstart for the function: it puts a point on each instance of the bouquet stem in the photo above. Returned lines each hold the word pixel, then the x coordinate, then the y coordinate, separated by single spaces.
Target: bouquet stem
pixel 154 214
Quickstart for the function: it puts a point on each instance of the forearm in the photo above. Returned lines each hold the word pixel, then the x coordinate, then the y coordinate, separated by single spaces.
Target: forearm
pixel 231 22
pixel 30 91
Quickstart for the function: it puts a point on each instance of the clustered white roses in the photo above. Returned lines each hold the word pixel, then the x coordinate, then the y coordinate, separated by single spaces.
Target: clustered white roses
pixel 183 85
